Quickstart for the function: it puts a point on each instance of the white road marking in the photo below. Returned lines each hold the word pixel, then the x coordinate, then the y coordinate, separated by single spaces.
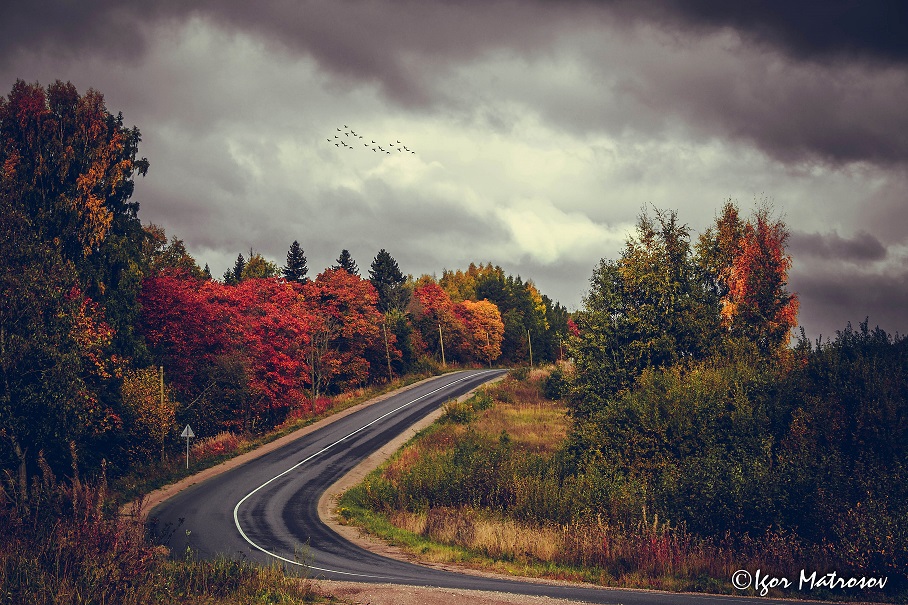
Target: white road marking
pixel 236 509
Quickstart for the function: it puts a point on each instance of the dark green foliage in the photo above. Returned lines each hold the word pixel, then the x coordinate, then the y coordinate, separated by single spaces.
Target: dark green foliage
pixel 400 329
pixel 814 444
pixel 389 283
pixel 295 269
pixel 650 309
pixel 238 267
pixel 71 266
pixel 555 385
pixel 346 262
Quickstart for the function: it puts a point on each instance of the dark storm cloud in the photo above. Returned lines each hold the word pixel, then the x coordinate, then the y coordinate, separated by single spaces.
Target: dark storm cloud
pixel 388 43
pixel 833 297
pixel 69 28
pixel 838 111
pixel 863 247
pixel 808 29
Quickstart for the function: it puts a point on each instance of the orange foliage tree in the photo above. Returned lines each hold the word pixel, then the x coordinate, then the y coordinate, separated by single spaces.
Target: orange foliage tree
pixel 484 330
pixel 757 305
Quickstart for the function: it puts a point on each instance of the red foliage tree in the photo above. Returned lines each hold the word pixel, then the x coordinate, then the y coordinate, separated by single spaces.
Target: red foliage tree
pixel 274 329
pixel 758 305
pixel 187 324
pixel 432 312
pixel 345 330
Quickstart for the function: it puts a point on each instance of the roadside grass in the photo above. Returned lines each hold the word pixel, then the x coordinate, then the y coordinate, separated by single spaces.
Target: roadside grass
pixel 61 544
pixel 482 488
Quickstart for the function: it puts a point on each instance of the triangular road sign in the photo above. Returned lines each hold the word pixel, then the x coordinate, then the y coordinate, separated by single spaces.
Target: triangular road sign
pixel 187 432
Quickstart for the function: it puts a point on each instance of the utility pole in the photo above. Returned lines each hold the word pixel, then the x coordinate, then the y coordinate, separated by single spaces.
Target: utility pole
pixel 441 339
pixel 489 348
pixel 530 343
pixel 161 373
pixel 384 328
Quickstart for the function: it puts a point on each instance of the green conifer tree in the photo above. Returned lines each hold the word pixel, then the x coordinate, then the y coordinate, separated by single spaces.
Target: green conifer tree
pixel 389 282
pixel 346 262
pixel 296 269
pixel 238 268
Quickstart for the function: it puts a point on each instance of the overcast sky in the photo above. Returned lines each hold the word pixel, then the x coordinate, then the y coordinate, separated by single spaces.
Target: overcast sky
pixel 540 129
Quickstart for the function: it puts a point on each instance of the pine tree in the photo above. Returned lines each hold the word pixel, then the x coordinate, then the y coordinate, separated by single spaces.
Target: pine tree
pixel 346 262
pixel 238 269
pixel 389 282
pixel 206 272
pixel 296 268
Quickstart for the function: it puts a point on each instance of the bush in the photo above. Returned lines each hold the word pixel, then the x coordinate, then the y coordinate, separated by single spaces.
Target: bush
pixel 555 385
pixel 520 373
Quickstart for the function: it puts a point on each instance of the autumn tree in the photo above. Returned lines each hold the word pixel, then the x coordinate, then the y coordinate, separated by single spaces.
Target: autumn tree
pixel 346 334
pixel 433 315
pixel 162 254
pixel 346 262
pixel 484 329
pixel 73 268
pixel 758 306
pixel 295 269
pixel 649 309
pixel 746 269
pixel 389 282
pixel 149 411
pixel 258 267
pixel 717 248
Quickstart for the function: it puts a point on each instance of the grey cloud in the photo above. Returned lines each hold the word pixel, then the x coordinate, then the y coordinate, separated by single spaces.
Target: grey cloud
pixel 821 30
pixel 862 247
pixel 839 112
pixel 833 297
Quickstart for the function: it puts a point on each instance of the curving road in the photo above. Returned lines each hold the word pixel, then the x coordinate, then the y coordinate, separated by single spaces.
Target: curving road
pixel 266 509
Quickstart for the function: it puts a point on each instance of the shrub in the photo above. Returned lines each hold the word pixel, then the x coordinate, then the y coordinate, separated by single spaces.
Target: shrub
pixel 555 385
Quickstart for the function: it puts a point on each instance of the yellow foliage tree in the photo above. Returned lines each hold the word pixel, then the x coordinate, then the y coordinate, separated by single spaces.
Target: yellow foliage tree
pixel 150 413
pixel 485 329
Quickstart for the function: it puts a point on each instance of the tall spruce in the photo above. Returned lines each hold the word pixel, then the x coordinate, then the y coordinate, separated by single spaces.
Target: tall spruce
pixel 389 282
pixel 346 262
pixel 238 268
pixel 296 269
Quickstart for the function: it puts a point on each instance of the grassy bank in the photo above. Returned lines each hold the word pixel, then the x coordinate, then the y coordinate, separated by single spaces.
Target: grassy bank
pixel 492 486
pixel 61 544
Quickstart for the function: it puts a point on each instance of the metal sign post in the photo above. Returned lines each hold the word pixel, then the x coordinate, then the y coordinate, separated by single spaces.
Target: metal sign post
pixel 188 434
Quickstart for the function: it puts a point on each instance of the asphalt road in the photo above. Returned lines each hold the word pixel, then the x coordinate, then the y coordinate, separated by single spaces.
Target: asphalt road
pixel 266 509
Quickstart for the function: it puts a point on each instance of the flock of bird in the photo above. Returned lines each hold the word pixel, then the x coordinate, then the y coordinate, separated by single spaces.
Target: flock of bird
pixel 348 139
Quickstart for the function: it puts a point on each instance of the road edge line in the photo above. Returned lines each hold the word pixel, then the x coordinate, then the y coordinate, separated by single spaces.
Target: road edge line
pixel 162 494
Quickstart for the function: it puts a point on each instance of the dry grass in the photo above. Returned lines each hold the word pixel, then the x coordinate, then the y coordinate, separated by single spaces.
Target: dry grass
pixel 481 488
pixel 532 422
